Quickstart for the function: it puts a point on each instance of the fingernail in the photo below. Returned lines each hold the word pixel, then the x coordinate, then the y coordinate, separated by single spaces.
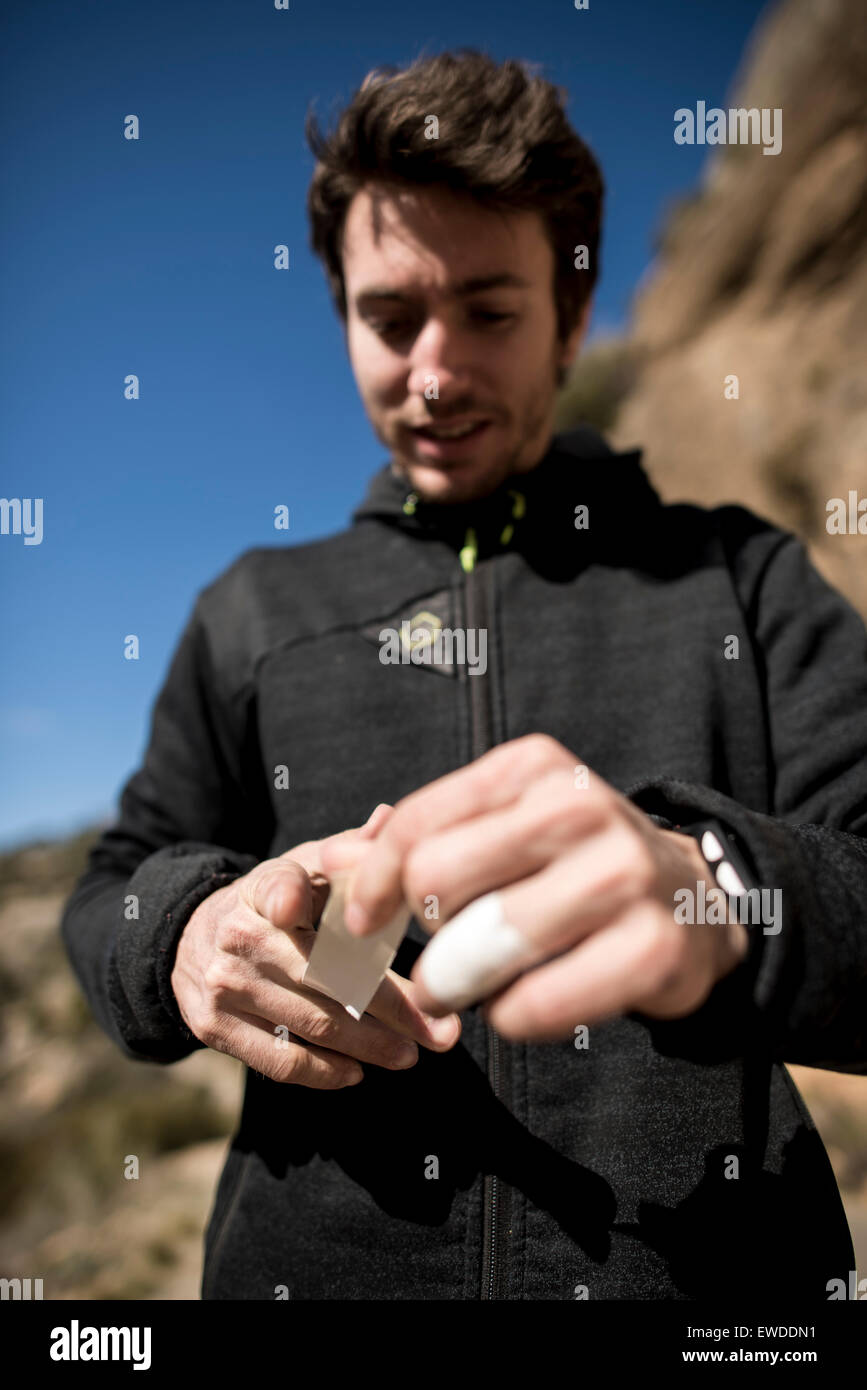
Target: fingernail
pixel 405 1055
pixel 443 1029
pixel 356 919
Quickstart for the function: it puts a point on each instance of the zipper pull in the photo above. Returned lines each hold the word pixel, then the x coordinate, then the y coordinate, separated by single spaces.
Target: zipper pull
pixel 469 551
pixel 519 507
pixel 410 503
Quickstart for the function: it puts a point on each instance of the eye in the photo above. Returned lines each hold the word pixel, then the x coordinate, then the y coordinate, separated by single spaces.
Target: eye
pixel 397 328
pixel 389 327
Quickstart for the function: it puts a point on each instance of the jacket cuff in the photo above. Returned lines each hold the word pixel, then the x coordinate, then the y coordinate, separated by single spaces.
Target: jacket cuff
pixel 733 1019
pixel 168 886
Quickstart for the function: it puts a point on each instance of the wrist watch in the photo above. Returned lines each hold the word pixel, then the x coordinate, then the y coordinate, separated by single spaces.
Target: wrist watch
pixel 723 856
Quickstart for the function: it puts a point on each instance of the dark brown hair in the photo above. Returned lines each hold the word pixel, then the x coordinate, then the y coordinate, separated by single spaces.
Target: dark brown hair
pixel 503 138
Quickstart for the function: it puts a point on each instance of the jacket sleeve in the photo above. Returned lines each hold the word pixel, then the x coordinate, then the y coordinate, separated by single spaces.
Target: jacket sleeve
pixel 194 817
pixel 803 984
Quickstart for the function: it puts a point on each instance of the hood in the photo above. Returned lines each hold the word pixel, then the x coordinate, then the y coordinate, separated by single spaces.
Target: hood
pixel 528 511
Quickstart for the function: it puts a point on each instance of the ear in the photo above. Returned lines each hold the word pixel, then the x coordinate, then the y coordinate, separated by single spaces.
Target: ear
pixel 573 342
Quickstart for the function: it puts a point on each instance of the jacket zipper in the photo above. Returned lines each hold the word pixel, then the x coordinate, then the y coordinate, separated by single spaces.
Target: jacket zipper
pixel 496 1198
pixel 494 1235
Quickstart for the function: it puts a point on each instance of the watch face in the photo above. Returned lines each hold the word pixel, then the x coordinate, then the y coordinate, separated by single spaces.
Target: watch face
pixel 725 861
pixel 728 878
pixel 710 847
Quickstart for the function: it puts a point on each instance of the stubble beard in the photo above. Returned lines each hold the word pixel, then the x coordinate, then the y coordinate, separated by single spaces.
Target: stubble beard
pixel 471 486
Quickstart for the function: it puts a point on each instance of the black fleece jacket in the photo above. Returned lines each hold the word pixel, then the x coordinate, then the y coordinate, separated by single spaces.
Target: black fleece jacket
pixel 606 1171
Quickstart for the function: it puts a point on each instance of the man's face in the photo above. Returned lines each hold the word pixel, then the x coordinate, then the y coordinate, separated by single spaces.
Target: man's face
pixel 451 321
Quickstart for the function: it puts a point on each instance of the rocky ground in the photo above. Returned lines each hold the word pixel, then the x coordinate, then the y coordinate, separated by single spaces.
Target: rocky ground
pixel 72 1112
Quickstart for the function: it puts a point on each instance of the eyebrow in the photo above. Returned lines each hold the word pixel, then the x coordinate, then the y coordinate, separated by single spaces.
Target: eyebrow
pixel 505 279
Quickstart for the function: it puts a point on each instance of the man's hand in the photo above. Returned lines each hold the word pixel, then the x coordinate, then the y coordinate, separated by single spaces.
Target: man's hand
pixel 239 964
pixel 582 873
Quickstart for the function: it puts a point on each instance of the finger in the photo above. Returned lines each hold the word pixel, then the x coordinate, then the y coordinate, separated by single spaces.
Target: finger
pixel 323 858
pixel 253 1042
pixel 346 845
pixel 496 936
pixel 341 855
pixel 251 950
pixel 492 781
pixel 608 973
pixel 322 1021
pixel 309 854
pixel 376 820
pixel 397 1003
pixel 462 863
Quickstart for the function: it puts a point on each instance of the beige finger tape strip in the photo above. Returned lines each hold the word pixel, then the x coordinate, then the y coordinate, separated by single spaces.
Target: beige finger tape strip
pixel 474 954
pixel 349 968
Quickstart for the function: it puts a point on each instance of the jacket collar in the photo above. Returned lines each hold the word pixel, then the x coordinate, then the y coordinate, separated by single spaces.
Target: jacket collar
pixel 578 468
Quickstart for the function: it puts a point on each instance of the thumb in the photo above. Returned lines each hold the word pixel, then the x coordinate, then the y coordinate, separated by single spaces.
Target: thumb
pixel 281 891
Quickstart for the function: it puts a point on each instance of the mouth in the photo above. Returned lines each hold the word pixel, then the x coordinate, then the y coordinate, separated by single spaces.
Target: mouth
pixel 449 440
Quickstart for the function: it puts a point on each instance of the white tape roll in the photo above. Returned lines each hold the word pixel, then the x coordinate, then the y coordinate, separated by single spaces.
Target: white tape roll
pixel 474 954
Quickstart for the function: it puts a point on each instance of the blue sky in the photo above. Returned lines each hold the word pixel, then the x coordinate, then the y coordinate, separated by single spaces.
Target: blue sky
pixel 155 257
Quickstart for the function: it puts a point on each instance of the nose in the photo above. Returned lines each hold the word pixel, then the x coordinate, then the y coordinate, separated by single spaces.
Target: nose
pixel 439 361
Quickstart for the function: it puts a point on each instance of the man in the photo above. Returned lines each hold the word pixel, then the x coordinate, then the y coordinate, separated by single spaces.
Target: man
pixel 607 1115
